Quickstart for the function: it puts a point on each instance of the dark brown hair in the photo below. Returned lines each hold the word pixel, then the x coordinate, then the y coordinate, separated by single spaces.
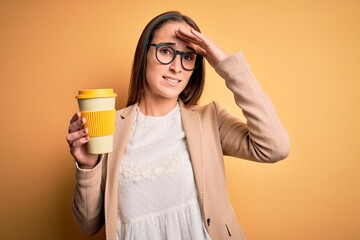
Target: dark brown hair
pixel 192 92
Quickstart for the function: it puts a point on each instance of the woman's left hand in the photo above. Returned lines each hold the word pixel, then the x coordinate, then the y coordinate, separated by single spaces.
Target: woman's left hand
pixel 205 46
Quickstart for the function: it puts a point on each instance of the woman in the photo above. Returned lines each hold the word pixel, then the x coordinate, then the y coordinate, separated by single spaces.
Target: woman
pixel 165 178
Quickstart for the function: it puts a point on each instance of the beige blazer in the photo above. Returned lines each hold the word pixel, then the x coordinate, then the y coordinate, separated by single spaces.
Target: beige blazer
pixel 211 133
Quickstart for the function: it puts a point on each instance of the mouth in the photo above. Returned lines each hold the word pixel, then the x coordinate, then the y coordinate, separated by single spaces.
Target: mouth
pixel 172 81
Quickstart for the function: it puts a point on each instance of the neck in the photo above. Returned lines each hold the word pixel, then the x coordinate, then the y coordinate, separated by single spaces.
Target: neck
pixel 156 108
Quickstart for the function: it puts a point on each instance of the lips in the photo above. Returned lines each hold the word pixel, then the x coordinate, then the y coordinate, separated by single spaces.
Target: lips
pixel 172 81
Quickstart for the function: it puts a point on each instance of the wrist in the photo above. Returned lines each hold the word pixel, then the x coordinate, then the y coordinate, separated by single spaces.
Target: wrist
pixel 89 166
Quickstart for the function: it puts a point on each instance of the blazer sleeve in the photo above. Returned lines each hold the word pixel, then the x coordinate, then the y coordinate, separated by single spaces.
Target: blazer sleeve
pixel 87 202
pixel 263 137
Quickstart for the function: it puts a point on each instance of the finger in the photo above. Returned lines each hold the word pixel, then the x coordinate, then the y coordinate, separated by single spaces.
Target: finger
pixel 202 44
pixel 191 35
pixel 201 51
pixel 185 36
pixel 199 35
pixel 77 125
pixel 77 147
pixel 75 136
pixel 78 143
pixel 75 117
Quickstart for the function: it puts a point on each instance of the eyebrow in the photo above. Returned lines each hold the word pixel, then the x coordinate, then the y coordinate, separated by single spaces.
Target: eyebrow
pixel 172 44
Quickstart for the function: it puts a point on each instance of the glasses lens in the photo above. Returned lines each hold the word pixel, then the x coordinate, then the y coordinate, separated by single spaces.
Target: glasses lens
pixel 165 54
pixel 189 60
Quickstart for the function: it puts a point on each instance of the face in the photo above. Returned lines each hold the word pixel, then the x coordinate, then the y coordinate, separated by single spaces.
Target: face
pixel 167 81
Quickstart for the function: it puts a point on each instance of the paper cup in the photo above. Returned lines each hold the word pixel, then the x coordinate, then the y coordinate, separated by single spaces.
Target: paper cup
pixel 97 106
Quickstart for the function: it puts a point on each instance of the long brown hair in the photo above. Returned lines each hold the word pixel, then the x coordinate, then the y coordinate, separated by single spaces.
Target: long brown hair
pixel 192 92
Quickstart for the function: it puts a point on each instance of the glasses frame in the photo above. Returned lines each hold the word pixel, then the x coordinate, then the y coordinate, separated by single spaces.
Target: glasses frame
pixel 198 59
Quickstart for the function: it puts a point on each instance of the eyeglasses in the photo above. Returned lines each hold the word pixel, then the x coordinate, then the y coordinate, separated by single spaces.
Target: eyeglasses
pixel 165 54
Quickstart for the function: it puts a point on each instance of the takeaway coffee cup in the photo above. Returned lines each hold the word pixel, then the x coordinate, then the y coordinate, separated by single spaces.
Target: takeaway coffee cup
pixel 97 106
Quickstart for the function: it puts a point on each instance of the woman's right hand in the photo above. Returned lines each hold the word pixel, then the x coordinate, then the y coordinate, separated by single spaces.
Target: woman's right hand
pixel 77 138
pixel 206 47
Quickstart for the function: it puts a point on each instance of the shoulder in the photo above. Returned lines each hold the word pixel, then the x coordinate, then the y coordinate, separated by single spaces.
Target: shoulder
pixel 213 106
pixel 209 110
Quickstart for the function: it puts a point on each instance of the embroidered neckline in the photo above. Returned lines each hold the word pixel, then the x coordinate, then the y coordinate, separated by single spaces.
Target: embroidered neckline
pixel 138 174
pixel 170 113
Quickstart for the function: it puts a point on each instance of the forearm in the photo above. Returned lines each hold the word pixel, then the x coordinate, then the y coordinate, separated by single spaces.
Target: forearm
pixel 264 136
pixel 87 202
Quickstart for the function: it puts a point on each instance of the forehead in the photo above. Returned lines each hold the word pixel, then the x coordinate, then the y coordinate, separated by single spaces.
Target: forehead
pixel 166 33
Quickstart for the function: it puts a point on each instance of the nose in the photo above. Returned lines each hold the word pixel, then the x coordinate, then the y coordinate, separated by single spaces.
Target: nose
pixel 175 65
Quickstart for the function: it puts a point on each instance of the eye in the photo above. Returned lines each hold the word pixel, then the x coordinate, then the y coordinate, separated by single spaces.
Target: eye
pixel 165 50
pixel 190 56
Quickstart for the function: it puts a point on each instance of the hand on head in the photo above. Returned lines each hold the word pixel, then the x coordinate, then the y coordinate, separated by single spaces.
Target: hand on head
pixel 206 47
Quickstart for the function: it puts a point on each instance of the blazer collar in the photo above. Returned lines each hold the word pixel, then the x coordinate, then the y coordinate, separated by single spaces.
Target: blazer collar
pixel 128 111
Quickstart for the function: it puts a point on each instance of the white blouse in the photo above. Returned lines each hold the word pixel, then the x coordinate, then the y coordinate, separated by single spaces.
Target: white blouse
pixel 157 193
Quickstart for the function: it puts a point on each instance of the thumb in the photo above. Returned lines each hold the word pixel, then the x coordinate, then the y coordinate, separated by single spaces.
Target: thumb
pixel 201 51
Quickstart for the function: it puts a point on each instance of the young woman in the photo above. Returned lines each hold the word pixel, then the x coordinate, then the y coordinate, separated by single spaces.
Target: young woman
pixel 165 178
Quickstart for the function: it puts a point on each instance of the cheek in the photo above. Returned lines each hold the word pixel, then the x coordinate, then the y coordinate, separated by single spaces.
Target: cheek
pixel 151 69
pixel 187 76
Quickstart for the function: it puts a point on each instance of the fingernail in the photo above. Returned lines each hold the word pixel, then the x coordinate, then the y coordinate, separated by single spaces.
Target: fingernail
pixel 85 130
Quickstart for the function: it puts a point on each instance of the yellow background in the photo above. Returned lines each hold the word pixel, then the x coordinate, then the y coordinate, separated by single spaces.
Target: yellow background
pixel 306 55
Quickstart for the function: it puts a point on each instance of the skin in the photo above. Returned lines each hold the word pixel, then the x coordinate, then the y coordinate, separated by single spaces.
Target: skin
pixel 164 83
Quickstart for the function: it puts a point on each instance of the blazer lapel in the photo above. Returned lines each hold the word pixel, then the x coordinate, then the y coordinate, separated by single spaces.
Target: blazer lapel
pixel 193 133
pixel 123 126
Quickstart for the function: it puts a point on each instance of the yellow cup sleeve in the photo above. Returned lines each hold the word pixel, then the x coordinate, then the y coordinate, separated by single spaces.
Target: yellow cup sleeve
pixel 100 123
